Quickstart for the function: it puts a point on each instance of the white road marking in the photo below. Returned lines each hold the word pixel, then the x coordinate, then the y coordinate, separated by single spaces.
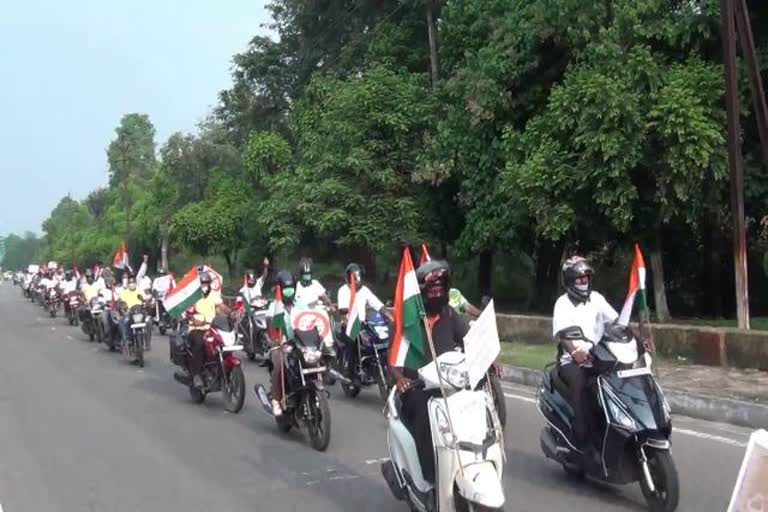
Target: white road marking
pixel 684 431
pixel 368 461
pixel 69 338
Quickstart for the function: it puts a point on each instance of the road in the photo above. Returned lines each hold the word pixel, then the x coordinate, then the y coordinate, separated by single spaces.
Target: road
pixel 82 430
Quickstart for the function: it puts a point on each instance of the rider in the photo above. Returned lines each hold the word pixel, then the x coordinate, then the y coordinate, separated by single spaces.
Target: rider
pixel 129 297
pixel 448 330
pixel 69 284
pixel 579 306
pixel 284 280
pixel 206 309
pixel 308 290
pixel 363 293
pixel 252 288
pixel 89 288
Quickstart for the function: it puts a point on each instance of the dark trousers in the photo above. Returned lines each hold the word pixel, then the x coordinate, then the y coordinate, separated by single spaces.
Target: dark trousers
pixel 197 348
pixel 577 379
pixel 416 417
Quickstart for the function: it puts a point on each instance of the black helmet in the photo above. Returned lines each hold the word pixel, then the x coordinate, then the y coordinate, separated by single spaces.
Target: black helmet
pixel 204 277
pixel 574 268
pixel 434 279
pixel 68 275
pixel 305 270
pixel 287 284
pixel 353 269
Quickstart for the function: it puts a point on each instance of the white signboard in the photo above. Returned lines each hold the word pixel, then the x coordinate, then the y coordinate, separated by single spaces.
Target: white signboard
pixel 481 345
pixel 750 493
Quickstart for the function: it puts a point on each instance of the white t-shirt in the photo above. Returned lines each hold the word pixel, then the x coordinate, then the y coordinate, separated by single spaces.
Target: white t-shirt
pixel 252 293
pixel 591 316
pixel 48 283
pixel 68 286
pixel 371 301
pixel 162 285
pixel 310 293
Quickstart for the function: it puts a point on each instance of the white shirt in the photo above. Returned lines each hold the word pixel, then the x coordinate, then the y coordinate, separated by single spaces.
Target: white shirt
pixel 48 283
pixel 364 294
pixel 68 286
pixel 252 293
pixel 310 293
pixel 162 285
pixel 590 316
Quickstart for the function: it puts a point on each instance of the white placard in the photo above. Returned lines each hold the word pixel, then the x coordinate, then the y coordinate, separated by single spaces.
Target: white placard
pixel 481 345
pixel 750 494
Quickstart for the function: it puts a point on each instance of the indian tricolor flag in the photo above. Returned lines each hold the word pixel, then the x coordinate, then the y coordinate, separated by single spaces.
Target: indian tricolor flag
pixel 280 321
pixel 409 347
pixel 424 255
pixel 183 296
pixel 356 311
pixel 121 258
pixel 636 288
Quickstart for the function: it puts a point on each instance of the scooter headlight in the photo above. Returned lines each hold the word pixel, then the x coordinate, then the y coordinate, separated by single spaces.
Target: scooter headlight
pixel 456 377
pixel 311 355
pixel 444 427
pixel 618 415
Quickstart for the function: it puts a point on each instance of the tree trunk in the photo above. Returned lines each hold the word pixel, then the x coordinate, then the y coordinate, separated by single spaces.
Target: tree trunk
pixel 230 266
pixel 485 272
pixel 712 275
pixel 659 290
pixel 164 250
pixel 432 33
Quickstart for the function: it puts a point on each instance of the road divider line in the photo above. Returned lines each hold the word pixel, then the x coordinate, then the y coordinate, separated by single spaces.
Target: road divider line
pixel 684 431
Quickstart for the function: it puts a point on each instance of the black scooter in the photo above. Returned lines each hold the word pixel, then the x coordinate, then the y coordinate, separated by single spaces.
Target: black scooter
pixel 630 419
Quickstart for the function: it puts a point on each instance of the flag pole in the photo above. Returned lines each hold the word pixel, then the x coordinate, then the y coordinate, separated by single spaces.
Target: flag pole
pixel 442 390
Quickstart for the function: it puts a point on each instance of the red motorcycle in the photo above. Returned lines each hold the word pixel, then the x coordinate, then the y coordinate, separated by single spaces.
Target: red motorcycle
pixel 72 307
pixel 221 369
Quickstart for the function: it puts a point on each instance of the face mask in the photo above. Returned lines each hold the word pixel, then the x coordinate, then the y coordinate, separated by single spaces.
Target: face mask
pixel 289 292
pixel 205 288
pixel 125 283
pixel 582 287
pixel 132 286
pixel 251 284
pixel 306 278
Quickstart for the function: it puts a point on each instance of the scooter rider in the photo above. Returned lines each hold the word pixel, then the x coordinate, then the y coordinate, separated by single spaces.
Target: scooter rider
pixel 448 329
pixel 579 306
pixel 362 293
pixel 206 309
pixel 284 280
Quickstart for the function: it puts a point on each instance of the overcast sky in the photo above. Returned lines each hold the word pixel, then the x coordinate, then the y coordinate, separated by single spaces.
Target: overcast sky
pixel 70 69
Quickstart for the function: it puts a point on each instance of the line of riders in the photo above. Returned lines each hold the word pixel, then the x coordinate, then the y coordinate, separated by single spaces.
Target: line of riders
pixel 606 416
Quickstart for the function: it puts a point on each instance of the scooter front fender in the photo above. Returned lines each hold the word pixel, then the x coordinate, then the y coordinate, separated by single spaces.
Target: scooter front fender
pixel 480 484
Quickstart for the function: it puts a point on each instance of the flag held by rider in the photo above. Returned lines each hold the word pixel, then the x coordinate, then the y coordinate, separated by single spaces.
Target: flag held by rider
pixel 280 323
pixel 121 258
pixel 636 290
pixel 354 314
pixel 409 346
pixel 183 296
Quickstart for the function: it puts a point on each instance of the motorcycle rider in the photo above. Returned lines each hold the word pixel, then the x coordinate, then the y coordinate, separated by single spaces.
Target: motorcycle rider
pixel 89 289
pixel 69 284
pixel 448 329
pixel 308 290
pixel 579 306
pixel 129 297
pixel 284 280
pixel 162 284
pixel 253 286
pixel 206 309
pixel 343 296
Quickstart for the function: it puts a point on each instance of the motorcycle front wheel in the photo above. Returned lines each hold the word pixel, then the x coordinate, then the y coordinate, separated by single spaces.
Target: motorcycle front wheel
pixel 197 396
pixel 666 494
pixel 234 390
pixel 139 345
pixel 320 425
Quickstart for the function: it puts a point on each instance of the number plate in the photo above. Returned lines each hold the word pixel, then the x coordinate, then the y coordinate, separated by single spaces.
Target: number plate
pixel 138 326
pixel 320 369
pixel 634 372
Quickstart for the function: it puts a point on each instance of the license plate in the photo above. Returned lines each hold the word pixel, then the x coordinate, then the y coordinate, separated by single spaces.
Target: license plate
pixel 138 326
pixel 381 346
pixel 634 372
pixel 320 369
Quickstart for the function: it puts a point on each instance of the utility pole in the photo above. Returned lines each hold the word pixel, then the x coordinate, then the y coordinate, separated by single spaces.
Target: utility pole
pixel 735 163
pixel 432 34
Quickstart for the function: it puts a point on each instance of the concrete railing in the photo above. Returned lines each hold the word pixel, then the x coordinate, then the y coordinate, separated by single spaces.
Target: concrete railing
pixel 700 345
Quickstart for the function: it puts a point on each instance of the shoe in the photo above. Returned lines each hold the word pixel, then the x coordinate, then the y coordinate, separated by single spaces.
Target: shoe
pixel 276 409
pixel 197 382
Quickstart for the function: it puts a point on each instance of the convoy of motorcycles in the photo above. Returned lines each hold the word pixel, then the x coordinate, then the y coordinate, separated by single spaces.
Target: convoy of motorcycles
pixel 631 420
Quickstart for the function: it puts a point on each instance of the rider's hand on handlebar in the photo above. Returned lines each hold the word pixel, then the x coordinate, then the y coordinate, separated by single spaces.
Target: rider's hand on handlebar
pixel 579 355
pixel 404 384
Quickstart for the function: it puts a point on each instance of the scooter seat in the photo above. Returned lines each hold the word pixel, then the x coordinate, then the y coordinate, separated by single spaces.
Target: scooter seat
pixel 558 383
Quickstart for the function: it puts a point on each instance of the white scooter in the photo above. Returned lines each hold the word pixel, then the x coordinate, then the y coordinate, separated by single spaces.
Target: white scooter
pixel 468 456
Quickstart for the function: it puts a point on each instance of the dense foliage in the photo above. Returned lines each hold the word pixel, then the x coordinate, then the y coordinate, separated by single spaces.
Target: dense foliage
pixel 527 131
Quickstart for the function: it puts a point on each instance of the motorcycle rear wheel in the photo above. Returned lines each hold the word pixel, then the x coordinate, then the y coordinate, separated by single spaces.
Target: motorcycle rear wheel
pixel 666 496
pixel 197 396
pixel 350 390
pixel 234 390
pixel 320 426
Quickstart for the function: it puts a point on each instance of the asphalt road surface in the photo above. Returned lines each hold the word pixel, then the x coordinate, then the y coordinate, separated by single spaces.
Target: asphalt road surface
pixel 82 430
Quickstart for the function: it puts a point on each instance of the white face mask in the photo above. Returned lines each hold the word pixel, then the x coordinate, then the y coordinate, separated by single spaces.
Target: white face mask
pixel 205 288
pixel 125 283
pixel 582 287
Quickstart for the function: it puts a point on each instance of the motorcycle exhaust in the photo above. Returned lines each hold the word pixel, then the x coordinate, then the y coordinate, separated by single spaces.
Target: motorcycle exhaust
pixel 339 376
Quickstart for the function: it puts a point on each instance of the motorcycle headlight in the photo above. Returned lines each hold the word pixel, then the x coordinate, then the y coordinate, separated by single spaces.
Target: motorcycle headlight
pixel 456 377
pixel 382 331
pixel 444 427
pixel 311 355
pixel 618 415
pixel 137 318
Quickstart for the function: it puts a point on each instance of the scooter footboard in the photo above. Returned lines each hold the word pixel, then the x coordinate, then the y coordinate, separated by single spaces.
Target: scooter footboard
pixel 480 484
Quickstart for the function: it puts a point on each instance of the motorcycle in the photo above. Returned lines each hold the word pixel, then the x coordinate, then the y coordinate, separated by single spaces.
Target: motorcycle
pixel 72 307
pixel 137 336
pixel 305 397
pixel 222 370
pixel 52 301
pixel 467 439
pixel 91 320
pixel 161 316
pixel 253 327
pixel 369 363
pixel 631 420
